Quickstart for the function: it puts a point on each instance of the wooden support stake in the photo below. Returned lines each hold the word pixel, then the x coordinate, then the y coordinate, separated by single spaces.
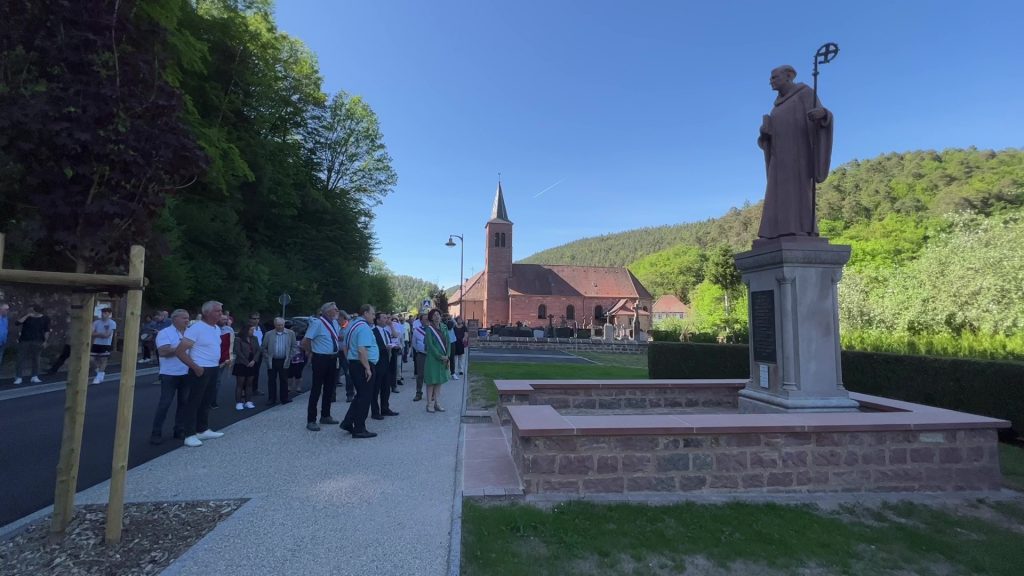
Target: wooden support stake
pixel 126 398
pixel 80 337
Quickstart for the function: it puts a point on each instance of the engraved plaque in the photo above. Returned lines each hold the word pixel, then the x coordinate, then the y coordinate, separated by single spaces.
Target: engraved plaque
pixel 762 325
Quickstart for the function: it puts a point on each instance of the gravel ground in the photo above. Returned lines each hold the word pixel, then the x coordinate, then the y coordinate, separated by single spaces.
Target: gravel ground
pixel 155 534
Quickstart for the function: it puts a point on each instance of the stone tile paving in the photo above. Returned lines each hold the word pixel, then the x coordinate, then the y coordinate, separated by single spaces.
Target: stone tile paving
pixel 488 469
pixel 321 502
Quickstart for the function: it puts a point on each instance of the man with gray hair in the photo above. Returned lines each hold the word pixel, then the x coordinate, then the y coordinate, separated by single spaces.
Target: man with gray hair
pixel 322 345
pixel 277 347
pixel 200 351
pixel 172 377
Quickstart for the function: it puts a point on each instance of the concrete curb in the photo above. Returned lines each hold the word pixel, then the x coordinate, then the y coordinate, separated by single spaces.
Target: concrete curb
pixel 455 535
pixel 36 389
pixel 178 564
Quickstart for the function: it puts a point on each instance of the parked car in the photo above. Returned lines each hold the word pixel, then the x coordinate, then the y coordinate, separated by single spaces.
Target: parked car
pixel 299 325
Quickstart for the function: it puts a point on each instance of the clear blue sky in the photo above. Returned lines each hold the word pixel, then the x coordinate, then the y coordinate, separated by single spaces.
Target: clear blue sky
pixel 642 113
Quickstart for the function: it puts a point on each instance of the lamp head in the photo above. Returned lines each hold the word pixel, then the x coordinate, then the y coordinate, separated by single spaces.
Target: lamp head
pixel 450 243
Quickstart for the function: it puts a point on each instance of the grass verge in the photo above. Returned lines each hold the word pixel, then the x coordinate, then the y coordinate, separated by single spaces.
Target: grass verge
pixel 739 538
pixel 614 359
pixel 1011 459
pixel 483 394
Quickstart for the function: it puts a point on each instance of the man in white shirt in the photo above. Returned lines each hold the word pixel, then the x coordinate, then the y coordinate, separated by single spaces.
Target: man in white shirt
pixel 102 343
pixel 200 351
pixel 172 377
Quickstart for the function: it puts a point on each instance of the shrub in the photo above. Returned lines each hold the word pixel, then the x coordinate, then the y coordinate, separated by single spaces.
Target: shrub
pixel 666 335
pixel 985 387
pixel 686 360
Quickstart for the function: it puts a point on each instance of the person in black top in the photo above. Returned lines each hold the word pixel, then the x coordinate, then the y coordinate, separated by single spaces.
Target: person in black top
pixel 35 329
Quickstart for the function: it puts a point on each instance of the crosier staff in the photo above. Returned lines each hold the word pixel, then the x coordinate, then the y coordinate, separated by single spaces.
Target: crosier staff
pixel 825 54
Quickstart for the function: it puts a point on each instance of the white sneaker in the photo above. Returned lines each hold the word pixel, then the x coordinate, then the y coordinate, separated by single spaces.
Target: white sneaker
pixel 209 435
pixel 250 405
pixel 17 381
pixel 99 378
pixel 35 380
pixel 193 441
pixel 239 406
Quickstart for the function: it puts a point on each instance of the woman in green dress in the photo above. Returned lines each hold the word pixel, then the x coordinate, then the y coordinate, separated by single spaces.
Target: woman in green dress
pixel 435 367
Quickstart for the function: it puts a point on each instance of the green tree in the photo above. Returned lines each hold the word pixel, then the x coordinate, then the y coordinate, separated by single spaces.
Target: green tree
pixel 92 141
pixel 673 271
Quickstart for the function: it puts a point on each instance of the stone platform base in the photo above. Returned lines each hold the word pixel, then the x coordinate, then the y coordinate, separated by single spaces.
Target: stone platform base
pixel 890 446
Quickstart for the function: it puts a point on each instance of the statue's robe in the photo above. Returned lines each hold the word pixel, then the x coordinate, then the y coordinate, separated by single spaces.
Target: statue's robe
pixel 797 152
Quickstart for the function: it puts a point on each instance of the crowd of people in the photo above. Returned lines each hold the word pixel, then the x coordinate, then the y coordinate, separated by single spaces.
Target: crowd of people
pixel 364 352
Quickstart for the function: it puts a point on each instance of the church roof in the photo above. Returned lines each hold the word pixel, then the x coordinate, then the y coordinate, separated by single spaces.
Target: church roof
pixel 669 304
pixel 473 289
pixel 589 281
pixel 498 211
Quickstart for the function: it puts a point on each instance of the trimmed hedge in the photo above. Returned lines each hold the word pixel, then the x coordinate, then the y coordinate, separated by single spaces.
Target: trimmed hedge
pixel 985 387
pixel 687 360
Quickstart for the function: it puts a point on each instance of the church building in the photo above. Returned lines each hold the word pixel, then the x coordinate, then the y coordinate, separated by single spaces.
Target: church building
pixel 506 293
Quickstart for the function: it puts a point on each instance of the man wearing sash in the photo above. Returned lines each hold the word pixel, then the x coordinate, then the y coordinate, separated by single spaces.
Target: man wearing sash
pixel 363 353
pixel 322 345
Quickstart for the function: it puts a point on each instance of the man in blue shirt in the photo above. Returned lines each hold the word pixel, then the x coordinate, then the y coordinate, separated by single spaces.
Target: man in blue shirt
pixel 363 354
pixel 322 344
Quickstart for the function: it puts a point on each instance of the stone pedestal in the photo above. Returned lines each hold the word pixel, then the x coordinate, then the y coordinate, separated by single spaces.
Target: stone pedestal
pixel 794 326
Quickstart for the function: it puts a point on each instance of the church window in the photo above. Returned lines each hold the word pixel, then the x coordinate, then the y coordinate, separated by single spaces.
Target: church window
pixel 497 238
pixel 570 312
pixel 542 312
pixel 598 312
pixel 502 239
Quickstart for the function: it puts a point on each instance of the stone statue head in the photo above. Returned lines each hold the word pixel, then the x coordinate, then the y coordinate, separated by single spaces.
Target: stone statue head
pixel 782 77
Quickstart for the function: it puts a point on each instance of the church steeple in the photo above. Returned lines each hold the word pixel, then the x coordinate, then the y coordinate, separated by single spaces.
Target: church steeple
pixel 497 262
pixel 498 211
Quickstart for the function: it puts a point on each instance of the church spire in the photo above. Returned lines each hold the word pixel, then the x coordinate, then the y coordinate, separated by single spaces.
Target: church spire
pixel 498 211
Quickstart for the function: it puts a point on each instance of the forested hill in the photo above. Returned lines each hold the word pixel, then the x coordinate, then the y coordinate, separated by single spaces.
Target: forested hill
pixel 736 228
pixel 918 185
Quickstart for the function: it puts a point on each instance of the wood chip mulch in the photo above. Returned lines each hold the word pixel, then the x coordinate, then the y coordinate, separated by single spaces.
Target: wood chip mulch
pixel 154 535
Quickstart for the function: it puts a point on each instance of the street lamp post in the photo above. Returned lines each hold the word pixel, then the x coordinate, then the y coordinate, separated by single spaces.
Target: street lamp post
pixel 462 253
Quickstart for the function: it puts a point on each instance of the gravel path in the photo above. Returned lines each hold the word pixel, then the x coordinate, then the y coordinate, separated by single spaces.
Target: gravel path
pixel 320 502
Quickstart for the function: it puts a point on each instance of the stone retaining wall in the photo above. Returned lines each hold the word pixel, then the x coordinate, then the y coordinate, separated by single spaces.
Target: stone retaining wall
pixel 641 398
pixel 875 461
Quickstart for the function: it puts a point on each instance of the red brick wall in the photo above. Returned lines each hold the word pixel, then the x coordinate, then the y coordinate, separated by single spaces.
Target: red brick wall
pixel 497 270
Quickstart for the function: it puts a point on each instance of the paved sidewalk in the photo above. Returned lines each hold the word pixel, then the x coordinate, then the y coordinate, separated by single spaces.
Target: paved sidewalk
pixel 320 502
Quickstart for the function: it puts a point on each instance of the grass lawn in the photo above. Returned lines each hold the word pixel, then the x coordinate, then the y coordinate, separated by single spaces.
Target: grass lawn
pixel 742 538
pixel 483 394
pixel 1011 460
pixel 614 359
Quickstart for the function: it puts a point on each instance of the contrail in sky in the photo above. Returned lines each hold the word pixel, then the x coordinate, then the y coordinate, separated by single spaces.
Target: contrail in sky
pixel 537 195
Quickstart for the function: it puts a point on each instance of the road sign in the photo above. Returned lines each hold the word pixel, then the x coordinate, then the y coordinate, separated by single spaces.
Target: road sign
pixel 284 299
pixel 425 305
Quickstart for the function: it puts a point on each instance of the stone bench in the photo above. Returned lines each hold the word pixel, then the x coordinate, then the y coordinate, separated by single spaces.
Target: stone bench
pixel 640 396
pixel 896 447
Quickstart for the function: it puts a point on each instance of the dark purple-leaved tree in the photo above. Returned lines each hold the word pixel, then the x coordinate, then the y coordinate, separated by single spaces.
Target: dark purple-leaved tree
pixel 92 139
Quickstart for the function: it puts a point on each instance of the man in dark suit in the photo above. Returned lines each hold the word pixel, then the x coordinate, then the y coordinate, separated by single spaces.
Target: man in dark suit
pixel 380 399
pixel 277 349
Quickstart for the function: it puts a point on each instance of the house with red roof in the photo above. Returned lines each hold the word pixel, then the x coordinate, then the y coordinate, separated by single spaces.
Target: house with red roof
pixel 669 306
pixel 506 293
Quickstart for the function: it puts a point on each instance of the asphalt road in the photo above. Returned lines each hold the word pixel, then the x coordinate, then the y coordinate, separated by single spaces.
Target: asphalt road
pixel 31 429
